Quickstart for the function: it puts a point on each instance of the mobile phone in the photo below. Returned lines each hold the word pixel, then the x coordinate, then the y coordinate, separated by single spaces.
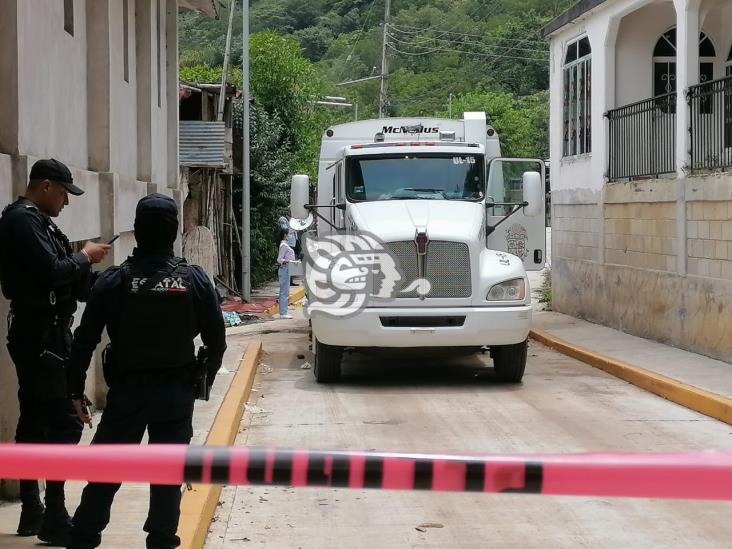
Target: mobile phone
pixel 112 241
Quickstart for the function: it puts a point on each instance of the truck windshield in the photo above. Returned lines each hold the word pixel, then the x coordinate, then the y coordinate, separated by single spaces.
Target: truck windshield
pixel 415 177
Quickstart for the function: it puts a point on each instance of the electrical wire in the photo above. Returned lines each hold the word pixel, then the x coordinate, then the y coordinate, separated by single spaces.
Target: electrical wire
pixel 466 43
pixel 480 54
pixel 417 30
pixel 363 29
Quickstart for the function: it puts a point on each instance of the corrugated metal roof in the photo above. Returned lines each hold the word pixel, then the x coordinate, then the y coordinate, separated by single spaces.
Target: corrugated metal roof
pixel 202 144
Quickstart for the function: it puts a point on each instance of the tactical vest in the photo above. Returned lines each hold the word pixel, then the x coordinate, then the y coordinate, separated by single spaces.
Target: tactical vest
pixel 158 323
pixel 14 286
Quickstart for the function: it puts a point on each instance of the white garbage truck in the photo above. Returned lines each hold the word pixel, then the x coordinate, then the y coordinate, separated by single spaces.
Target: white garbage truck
pixel 462 224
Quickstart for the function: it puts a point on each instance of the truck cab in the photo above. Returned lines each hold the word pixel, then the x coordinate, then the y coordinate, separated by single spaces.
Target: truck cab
pixel 460 224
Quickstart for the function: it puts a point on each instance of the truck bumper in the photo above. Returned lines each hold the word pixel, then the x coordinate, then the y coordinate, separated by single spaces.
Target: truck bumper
pixel 482 326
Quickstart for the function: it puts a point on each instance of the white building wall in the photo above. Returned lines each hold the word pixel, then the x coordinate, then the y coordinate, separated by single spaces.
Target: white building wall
pixel 52 82
pixel 8 379
pixel 645 256
pixel 123 95
pixel 159 110
pixel 172 95
pixel 637 38
pixel 50 109
pixel 9 81
pixel 582 171
pixel 717 22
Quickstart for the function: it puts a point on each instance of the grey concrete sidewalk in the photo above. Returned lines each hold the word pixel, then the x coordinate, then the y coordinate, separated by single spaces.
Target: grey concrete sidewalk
pixel 690 368
pixel 131 503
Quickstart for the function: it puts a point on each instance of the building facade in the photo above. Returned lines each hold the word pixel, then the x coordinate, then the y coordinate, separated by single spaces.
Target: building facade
pixel 94 84
pixel 641 155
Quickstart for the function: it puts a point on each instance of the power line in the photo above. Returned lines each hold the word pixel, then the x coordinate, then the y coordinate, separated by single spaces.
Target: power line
pixel 494 42
pixel 466 43
pixel 478 48
pixel 480 54
pixel 417 30
pixel 486 40
pixel 363 29
pixel 430 52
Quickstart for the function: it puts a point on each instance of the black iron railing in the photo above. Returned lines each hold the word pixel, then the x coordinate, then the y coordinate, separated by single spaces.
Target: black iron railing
pixel 643 138
pixel 711 125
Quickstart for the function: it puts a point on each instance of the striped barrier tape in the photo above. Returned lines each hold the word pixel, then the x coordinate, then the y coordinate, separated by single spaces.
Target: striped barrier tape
pixel 701 475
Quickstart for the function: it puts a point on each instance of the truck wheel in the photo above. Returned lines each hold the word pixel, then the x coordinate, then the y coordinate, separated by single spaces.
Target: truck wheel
pixel 327 362
pixel 509 361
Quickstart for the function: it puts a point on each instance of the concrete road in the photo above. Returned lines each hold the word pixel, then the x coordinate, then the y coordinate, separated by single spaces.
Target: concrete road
pixel 452 404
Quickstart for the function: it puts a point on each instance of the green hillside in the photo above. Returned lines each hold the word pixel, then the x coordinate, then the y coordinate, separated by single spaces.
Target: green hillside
pixel 488 52
pixel 485 55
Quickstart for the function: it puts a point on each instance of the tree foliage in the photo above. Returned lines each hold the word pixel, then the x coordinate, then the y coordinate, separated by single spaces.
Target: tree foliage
pixel 481 55
pixel 521 122
pixel 285 129
pixel 269 190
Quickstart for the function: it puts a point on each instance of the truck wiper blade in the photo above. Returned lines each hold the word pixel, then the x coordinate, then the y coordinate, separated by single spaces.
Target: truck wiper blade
pixel 426 190
pixel 411 198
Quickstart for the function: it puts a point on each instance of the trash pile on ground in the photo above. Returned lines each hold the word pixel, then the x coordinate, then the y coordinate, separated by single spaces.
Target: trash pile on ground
pixel 237 313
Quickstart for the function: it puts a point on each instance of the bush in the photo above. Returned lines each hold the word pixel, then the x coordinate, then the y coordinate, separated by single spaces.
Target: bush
pixel 545 290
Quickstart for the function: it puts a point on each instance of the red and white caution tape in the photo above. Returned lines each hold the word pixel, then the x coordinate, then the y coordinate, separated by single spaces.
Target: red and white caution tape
pixel 703 475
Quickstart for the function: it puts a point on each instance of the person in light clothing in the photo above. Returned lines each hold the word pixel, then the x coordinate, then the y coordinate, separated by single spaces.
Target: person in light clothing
pixel 292 240
pixel 291 233
pixel 285 256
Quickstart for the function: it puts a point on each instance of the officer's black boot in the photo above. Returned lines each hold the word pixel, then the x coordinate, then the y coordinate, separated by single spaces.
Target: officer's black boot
pixel 31 514
pixel 56 521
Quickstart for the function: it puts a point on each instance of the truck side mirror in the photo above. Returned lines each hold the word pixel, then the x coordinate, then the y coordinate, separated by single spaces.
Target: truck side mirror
pixel 299 196
pixel 533 195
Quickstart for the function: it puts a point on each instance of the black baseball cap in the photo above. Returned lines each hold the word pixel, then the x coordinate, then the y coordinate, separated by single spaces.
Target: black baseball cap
pixel 55 171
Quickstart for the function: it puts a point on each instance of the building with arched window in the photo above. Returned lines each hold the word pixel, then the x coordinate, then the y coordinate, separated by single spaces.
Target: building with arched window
pixel 641 154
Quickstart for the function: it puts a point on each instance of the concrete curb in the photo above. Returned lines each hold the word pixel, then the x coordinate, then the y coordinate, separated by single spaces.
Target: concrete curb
pixel 295 296
pixel 198 506
pixel 702 401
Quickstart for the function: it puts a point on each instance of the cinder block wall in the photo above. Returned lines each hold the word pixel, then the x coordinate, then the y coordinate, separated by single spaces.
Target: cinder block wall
pixel 662 264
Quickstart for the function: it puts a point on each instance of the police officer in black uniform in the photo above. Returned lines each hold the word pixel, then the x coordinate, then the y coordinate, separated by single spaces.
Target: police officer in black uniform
pixel 43 280
pixel 153 307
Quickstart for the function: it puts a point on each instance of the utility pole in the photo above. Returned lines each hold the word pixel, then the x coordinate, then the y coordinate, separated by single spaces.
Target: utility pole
pixel 227 53
pixel 383 94
pixel 246 275
pixel 450 107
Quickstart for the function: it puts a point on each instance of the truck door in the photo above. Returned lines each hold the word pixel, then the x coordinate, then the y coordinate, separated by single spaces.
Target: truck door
pixel 339 193
pixel 335 215
pixel 519 234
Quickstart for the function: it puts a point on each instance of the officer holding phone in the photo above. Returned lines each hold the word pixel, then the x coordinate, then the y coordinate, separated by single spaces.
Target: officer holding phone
pixel 43 279
pixel 153 307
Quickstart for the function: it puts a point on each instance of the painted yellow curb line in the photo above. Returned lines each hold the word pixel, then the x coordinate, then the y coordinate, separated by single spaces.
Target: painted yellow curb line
pixel 198 506
pixel 707 403
pixel 295 296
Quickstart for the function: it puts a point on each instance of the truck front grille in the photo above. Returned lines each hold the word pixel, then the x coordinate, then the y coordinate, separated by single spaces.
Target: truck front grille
pixel 447 267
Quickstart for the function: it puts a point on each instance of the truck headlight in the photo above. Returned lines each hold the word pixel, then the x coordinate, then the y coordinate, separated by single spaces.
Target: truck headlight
pixel 511 290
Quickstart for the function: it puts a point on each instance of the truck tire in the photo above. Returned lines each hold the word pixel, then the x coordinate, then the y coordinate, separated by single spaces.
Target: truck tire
pixel 509 361
pixel 327 362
